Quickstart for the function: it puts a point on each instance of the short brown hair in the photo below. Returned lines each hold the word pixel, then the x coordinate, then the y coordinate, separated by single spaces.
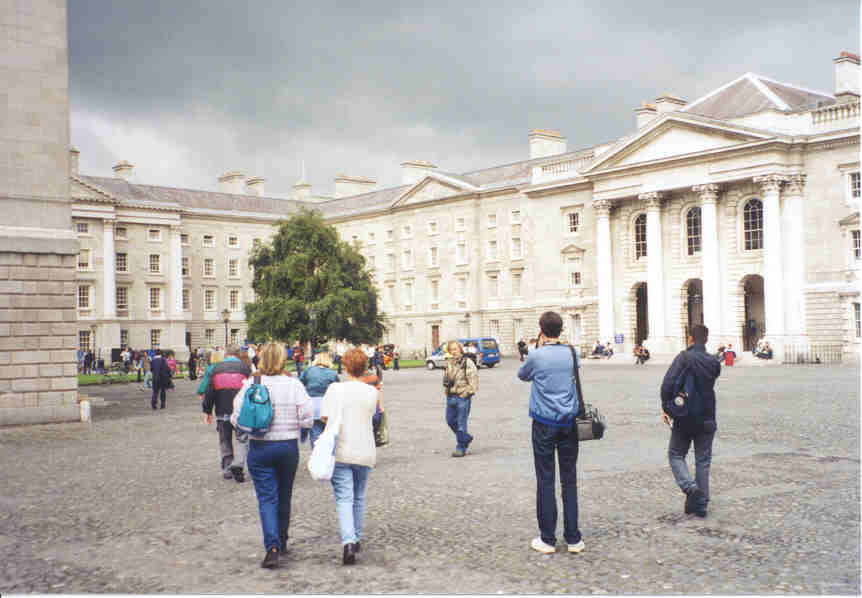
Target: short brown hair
pixel 355 362
pixel 273 356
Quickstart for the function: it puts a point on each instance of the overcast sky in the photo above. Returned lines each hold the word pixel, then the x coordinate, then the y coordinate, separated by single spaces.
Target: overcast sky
pixel 187 90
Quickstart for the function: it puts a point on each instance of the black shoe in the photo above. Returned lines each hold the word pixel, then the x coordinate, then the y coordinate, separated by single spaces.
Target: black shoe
pixel 238 474
pixel 270 561
pixel 349 556
pixel 154 406
pixel 163 406
pixel 282 538
pixel 693 499
pixel 357 547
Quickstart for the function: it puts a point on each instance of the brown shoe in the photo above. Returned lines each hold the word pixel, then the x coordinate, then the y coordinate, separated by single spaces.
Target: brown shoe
pixel 270 561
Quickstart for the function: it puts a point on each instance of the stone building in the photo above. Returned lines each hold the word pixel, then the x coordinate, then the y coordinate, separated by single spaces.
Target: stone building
pixel 739 209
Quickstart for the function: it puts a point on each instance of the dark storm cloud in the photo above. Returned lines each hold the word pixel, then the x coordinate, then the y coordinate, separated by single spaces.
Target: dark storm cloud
pixel 187 90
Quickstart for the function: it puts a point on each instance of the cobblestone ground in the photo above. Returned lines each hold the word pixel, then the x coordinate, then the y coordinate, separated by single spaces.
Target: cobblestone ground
pixel 135 502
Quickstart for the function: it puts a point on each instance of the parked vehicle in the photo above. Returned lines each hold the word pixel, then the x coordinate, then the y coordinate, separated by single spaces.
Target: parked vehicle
pixel 487 353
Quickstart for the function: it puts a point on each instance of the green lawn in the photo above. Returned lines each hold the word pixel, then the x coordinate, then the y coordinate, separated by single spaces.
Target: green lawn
pixel 91 379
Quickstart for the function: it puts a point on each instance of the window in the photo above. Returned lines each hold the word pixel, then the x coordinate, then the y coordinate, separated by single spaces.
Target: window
pixel 233 267
pixel 494 328
pixel 461 252
pixel 209 299
pixel 574 221
pixel 432 257
pixel 492 220
pixel 122 262
pixel 692 227
pixel 857 245
pixel 857 316
pixel 83 340
pixel 640 237
pixel 122 233
pixel 516 248
pixel 124 338
pixel 516 284
pixel 234 336
pixel 432 227
pixel 492 250
pixel 461 288
pixel 406 231
pixel 516 216
pixel 155 263
pixel 233 241
pixel 155 338
pixel 575 279
pixel 390 235
pixel 184 238
pixel 409 333
pixel 209 267
pixel 84 296
pixel 154 234
pixel 407 259
pixel 460 223
pixel 122 298
pixel 234 299
pixel 187 299
pixel 752 223
pixel 371 239
pixel 209 241
pixel 435 293
pixel 84 259
pixel 155 298
pixel 209 336
pixel 82 228
pixel 390 262
pixel 493 286
pixel 408 296
pixel 185 266
pixel 390 295
pixel 854 185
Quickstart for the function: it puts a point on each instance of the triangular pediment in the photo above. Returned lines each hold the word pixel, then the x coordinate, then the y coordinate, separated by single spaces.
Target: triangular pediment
pixel 429 189
pixel 572 249
pixel 84 192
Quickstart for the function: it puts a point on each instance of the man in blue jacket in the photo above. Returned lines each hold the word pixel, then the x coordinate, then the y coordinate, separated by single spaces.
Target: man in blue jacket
pixel 161 379
pixel 697 429
pixel 554 403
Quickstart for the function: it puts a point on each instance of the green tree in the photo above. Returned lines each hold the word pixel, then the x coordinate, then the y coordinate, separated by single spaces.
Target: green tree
pixel 311 286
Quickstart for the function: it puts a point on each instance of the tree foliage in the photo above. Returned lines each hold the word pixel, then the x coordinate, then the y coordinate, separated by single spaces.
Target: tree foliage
pixel 311 286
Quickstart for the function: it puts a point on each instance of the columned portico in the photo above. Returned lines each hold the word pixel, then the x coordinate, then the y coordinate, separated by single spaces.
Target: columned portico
pixel 794 265
pixel 604 268
pixel 657 340
pixel 773 266
pixel 709 259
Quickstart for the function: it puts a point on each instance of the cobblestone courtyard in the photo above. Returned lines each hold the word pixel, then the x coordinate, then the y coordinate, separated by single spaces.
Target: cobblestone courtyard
pixel 135 502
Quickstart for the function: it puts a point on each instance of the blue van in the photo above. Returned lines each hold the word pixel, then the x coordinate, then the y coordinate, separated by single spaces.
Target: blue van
pixel 488 353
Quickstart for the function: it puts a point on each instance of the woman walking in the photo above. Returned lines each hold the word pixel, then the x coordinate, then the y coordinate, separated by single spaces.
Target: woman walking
pixel 193 365
pixel 272 459
pixel 460 382
pixel 348 407
pixel 316 380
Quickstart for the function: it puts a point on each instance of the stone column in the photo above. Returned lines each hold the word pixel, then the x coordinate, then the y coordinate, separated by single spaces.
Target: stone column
pixel 657 340
pixel 794 254
pixel 175 275
pixel 604 268
pixel 773 263
pixel 109 310
pixel 709 260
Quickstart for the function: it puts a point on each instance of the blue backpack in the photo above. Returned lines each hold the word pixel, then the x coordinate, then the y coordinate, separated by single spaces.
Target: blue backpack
pixel 255 415
pixel 686 400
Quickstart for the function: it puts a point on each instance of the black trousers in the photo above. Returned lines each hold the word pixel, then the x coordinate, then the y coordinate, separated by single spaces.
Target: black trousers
pixel 159 391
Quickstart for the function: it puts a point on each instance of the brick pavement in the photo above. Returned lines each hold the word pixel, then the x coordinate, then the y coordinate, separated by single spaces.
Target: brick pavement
pixel 135 502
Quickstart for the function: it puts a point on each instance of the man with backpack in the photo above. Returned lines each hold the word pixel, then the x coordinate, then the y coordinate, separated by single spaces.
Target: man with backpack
pixel 688 405
pixel 226 378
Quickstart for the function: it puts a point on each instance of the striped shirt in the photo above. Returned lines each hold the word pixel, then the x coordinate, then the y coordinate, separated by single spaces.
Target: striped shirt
pixel 292 407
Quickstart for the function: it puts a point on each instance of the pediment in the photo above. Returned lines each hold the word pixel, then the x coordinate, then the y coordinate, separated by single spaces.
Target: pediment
pixel 572 249
pixel 83 192
pixel 429 189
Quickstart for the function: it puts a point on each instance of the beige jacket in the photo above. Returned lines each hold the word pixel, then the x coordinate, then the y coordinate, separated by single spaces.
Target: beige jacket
pixel 465 375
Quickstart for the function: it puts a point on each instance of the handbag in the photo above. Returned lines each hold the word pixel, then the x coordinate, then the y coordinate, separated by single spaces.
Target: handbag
pixel 589 421
pixel 321 463
pixel 381 429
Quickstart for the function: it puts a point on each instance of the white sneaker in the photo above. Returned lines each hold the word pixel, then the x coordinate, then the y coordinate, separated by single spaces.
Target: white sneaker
pixel 538 545
pixel 579 547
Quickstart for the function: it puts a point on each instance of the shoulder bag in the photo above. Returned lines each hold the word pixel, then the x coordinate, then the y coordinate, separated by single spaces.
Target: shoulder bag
pixel 589 421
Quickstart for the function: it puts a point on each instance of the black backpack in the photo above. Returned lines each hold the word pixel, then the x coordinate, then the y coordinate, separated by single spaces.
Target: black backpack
pixel 687 400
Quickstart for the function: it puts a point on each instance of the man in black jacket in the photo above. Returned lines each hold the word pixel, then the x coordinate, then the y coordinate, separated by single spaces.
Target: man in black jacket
pixel 698 429
pixel 226 379
pixel 161 378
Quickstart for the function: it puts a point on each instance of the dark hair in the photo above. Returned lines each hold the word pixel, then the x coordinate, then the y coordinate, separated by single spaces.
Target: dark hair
pixel 551 324
pixel 699 333
pixel 158 351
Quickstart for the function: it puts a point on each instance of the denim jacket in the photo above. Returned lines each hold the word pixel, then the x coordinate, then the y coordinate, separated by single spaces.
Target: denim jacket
pixel 554 398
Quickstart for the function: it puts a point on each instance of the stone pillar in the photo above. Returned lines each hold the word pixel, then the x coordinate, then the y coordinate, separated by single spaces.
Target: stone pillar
pixel 773 263
pixel 175 275
pixel 709 260
pixel 109 309
pixel 604 268
pixel 794 254
pixel 657 339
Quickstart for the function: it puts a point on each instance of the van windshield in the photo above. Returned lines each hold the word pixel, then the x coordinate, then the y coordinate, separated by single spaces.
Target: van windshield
pixel 489 344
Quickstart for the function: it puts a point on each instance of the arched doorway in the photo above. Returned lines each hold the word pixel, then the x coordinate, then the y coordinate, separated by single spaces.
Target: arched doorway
pixel 692 306
pixel 641 331
pixel 753 322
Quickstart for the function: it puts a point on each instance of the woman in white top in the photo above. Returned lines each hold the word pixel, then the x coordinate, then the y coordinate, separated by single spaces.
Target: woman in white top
pixel 348 407
pixel 272 459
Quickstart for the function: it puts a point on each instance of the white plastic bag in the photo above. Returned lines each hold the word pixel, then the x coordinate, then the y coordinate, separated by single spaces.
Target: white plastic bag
pixel 321 463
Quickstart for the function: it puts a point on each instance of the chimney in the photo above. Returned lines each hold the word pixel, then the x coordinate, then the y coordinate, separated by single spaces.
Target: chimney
pixel 231 182
pixel 644 114
pixel 414 171
pixel 669 103
pixel 254 186
pixel 847 77
pixel 74 154
pixel 123 170
pixel 345 186
pixel 302 191
pixel 545 142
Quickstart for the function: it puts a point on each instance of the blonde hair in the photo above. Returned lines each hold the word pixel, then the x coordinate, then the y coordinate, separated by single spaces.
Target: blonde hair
pixel 323 359
pixel 272 359
pixel 453 342
pixel 216 356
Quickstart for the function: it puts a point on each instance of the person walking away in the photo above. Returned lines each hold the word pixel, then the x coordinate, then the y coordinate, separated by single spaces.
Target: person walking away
pixel 729 355
pixel 273 458
pixel 554 404
pixel 298 358
pixel 522 350
pixel 699 429
pixel 349 407
pixel 396 357
pixel 226 378
pixel 316 380
pixel 460 383
pixel 171 360
pixel 214 358
pixel 161 377
pixel 193 365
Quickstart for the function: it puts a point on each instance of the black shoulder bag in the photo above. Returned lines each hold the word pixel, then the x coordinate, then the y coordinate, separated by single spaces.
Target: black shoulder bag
pixel 590 423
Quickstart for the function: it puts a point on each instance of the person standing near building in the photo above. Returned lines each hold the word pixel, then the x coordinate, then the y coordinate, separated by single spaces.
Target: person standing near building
pixel 460 383
pixel 554 404
pixel 226 378
pixel 161 379
pixel 698 430
pixel 193 364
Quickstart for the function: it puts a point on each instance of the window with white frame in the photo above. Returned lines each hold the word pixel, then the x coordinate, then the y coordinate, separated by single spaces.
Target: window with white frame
pixel 234 299
pixel 84 296
pixel 857 245
pixel 185 266
pixel 460 223
pixel 432 227
pixel 461 288
pixel 390 235
pixel 493 286
pixel 406 231
pixel 187 299
pixel 693 230
pixel 406 259
pixel 857 317
pixel 575 279
pixel 154 234
pixel 234 336
pixel 390 262
pixel 121 233
pixel 122 298
pixel 408 296
pixel 121 262
pixel 516 284
pixel 435 293
pixel 516 248
pixel 432 257
pixel 208 241
pixel 640 237
pixel 494 328
pixel 84 340
pixel 209 267
pixel 184 238
pixel 124 338
pixel 155 263
pixel 855 190
pixel 492 220
pixel 390 295
pixel 209 299
pixel 84 259
pixel 516 216
pixel 492 250
pixel 573 221
pixel 233 241
pixel 752 224
pixel 155 298
pixel 233 267
pixel 155 338
pixel 461 252
pixel 82 228
pixel 209 336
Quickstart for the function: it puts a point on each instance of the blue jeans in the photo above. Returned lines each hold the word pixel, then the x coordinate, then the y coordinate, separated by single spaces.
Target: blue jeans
pixel 681 437
pixel 272 465
pixel 316 430
pixel 546 439
pixel 457 412
pixel 348 485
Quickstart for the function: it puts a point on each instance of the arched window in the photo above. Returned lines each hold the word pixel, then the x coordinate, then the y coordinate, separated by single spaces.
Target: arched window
pixel 752 223
pixel 692 227
pixel 640 236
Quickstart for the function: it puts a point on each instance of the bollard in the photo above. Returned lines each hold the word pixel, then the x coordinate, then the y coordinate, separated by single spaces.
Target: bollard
pixel 85 410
